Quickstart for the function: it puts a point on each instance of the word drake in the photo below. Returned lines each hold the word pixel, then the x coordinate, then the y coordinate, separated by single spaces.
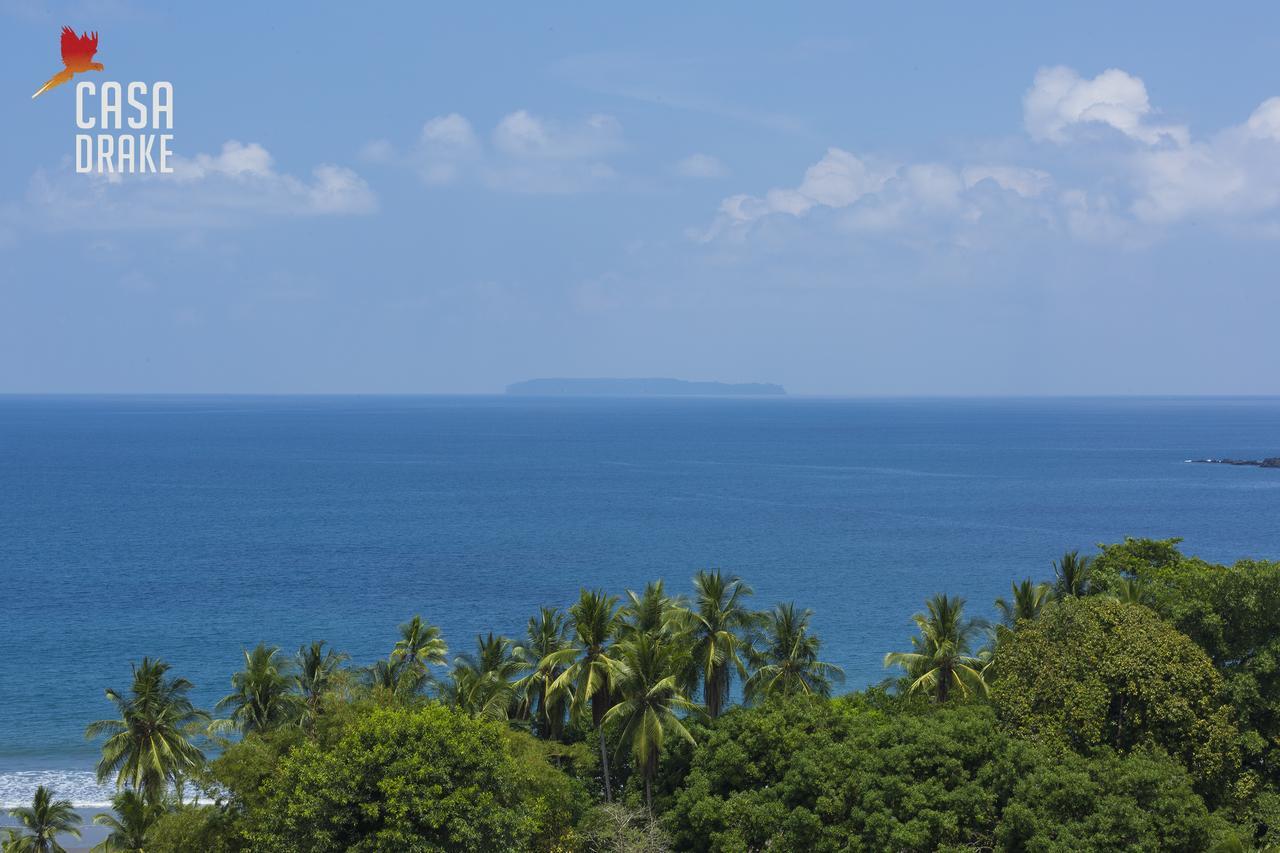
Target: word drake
pixel 116 112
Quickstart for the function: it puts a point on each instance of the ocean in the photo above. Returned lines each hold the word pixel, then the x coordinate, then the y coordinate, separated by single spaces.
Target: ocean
pixel 188 528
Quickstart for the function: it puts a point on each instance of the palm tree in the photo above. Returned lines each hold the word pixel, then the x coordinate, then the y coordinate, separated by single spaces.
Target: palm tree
pixel 484 684
pixel 719 622
pixel 787 662
pixel 546 636
pixel 382 676
pixel 649 694
pixel 1131 591
pixel 149 746
pixel 41 823
pixel 651 612
pixel 1029 598
pixel 589 669
pixel 263 697
pixel 942 659
pixel 319 672
pixel 1072 573
pixel 132 819
pixel 418 648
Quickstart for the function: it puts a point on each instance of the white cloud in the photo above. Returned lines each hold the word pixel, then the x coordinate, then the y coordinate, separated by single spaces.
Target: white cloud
pixel 877 196
pixel 1235 173
pixel 1231 177
pixel 1128 185
pixel 524 135
pixel 238 185
pixel 1060 99
pixel 701 166
pixel 837 180
pixel 445 145
pixel 451 131
pixel 1027 183
pixel 524 153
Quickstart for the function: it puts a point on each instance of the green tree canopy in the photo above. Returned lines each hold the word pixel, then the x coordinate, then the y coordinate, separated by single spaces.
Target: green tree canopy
pixel 867 773
pixel 1232 612
pixel 812 774
pixel 1140 802
pixel 1095 672
pixel 424 779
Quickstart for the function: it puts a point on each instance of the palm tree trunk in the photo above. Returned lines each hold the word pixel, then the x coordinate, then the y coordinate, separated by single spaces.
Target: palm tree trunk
pixel 556 716
pixel 604 767
pixel 648 793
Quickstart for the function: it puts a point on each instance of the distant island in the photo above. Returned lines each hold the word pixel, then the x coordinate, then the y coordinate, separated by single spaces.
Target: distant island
pixel 642 388
pixel 1269 462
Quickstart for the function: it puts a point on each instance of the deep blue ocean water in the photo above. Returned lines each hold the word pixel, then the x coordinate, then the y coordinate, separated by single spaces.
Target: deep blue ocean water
pixel 190 527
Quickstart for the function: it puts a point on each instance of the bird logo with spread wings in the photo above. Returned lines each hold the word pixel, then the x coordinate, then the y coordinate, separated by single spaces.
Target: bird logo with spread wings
pixel 77 55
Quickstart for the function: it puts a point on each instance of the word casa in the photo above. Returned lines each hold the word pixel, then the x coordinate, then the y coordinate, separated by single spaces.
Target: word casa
pixel 134 107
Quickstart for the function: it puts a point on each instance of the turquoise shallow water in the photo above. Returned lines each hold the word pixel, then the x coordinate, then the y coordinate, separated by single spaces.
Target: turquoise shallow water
pixel 187 528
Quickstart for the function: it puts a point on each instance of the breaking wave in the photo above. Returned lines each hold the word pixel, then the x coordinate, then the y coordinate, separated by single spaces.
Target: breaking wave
pixel 78 786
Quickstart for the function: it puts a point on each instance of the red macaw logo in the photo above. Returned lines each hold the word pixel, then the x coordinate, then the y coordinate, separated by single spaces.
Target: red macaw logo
pixel 77 55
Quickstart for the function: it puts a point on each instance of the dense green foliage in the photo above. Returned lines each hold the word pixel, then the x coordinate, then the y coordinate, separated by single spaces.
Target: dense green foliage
pixel 1142 801
pixel 1233 613
pixel 1129 701
pixel 817 775
pixel 1093 672
pixel 858 774
pixel 420 779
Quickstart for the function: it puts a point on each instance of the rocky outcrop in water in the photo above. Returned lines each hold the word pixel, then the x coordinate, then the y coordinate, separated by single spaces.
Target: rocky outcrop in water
pixel 1269 462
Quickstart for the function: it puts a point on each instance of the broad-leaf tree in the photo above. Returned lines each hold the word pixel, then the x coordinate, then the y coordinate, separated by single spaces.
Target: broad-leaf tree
pixel 1095 672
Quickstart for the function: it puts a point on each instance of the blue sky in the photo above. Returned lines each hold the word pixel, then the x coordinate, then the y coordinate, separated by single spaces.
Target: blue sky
pixel 843 199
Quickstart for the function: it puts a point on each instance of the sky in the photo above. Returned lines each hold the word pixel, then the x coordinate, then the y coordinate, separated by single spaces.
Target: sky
pixel 887 199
